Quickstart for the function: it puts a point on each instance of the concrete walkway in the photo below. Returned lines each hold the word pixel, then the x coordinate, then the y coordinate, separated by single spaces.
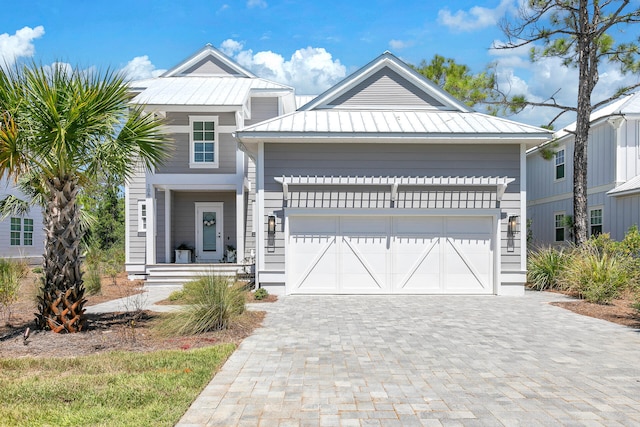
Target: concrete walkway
pixel 143 301
pixel 426 361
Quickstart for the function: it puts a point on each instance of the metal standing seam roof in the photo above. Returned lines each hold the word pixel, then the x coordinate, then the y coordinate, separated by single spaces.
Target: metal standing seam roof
pixel 200 90
pixel 397 121
pixel 630 187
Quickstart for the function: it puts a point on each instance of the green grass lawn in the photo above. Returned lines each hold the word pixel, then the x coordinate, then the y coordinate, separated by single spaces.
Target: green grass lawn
pixel 109 389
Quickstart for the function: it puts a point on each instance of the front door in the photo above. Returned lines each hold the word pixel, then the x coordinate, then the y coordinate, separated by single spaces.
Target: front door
pixel 209 230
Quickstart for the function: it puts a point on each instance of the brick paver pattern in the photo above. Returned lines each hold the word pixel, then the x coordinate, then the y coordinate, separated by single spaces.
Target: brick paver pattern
pixel 426 361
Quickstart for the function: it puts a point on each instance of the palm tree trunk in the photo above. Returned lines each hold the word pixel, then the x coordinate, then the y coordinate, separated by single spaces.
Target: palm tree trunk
pixel 61 305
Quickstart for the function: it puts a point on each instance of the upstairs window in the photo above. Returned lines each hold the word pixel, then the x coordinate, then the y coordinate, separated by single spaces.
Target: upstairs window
pixel 204 142
pixel 595 221
pixel 559 159
pixel 21 233
pixel 559 226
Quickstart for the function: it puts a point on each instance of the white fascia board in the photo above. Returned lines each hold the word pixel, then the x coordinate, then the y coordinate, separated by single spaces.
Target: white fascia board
pixel 307 137
pixel 489 212
pixel 200 108
pixel 194 180
pixel 187 128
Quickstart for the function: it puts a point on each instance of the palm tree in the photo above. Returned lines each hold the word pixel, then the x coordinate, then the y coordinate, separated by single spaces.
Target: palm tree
pixel 65 129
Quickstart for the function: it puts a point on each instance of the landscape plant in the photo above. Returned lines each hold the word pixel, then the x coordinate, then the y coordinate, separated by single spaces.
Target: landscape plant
pixel 67 129
pixel 11 272
pixel 546 267
pixel 260 294
pixel 211 303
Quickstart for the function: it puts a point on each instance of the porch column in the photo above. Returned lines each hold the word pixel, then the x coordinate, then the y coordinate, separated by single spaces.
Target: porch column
pixel 167 225
pixel 240 221
pixel 151 225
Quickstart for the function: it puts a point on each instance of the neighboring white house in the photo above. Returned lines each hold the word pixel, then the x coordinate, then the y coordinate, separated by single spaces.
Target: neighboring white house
pixel 21 236
pixel 201 199
pixel 385 184
pixel 613 176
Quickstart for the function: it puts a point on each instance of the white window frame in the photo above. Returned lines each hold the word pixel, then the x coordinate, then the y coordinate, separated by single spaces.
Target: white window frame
pixel 556 164
pixel 556 228
pixel 142 215
pixel 216 143
pixel 22 233
pixel 596 208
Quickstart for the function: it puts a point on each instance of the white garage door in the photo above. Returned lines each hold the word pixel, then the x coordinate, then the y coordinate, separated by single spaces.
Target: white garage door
pixel 379 255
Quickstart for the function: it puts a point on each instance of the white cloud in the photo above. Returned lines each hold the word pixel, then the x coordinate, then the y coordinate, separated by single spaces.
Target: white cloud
pixel 539 81
pixel 18 45
pixel 398 44
pixel 476 18
pixel 256 3
pixel 310 70
pixel 140 68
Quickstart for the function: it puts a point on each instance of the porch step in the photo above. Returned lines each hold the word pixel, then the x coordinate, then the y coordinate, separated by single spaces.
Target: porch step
pixel 179 274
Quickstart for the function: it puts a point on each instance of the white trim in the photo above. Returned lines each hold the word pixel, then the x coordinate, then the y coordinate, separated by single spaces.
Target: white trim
pixel 260 244
pixel 216 143
pixel 555 227
pixel 436 181
pixel 222 129
pixel 595 208
pixel 192 108
pixel 196 180
pixel 562 148
pixel 127 225
pixel 143 216
pixel 240 224
pixel 523 207
pixel 150 238
pixel 167 226
pixel 566 196
pixel 220 242
pixel 391 212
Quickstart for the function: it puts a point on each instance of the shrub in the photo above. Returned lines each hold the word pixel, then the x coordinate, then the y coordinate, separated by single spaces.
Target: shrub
pixel 93 279
pixel 11 272
pixel 211 304
pixel 598 275
pixel 260 294
pixel 545 268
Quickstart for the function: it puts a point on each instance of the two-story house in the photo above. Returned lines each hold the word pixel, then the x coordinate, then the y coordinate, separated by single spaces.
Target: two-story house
pixel 200 199
pixel 613 176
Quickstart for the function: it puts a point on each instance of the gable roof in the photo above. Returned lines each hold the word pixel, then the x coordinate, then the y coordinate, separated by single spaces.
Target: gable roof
pixel 206 78
pixel 404 105
pixel 389 67
pixel 219 65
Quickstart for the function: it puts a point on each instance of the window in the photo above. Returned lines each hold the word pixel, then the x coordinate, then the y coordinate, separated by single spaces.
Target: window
pixel 142 215
pixel 595 221
pixel 21 232
pixel 204 141
pixel 559 157
pixel 559 223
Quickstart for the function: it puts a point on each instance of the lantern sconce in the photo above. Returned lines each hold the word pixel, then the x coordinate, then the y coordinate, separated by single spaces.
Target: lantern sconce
pixel 512 226
pixel 271 225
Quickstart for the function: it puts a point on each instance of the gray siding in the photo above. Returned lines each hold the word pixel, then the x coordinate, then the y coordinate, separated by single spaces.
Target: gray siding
pixel 621 213
pixel 136 187
pixel 631 145
pixel 183 227
pixel 178 162
pixel 210 66
pixel 249 206
pixel 33 252
pixel 262 108
pixel 160 218
pixel 389 160
pixel 385 88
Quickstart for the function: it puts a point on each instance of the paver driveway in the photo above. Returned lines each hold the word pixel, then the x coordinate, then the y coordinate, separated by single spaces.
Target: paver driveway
pixel 426 360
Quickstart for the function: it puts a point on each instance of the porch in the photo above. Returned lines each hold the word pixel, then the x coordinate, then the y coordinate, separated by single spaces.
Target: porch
pixel 179 274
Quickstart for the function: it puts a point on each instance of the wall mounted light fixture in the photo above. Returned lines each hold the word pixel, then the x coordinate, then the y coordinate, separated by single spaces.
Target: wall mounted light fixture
pixel 512 226
pixel 271 225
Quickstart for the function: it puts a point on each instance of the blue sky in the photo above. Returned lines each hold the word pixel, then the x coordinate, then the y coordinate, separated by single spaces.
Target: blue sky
pixel 310 45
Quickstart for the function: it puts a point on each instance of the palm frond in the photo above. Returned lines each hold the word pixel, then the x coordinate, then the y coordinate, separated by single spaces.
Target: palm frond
pixel 13 206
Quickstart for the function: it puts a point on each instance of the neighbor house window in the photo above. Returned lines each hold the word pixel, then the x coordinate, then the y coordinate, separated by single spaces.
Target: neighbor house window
pixel 595 221
pixel 559 223
pixel 21 232
pixel 142 216
pixel 204 141
pixel 559 159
